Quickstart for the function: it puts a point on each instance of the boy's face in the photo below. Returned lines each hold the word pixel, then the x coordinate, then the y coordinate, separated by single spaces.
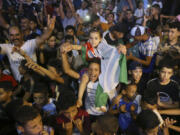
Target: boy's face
pixel 94 39
pixel 33 127
pixel 32 25
pixel 4 96
pixel 173 34
pixel 137 73
pixel 70 32
pixel 131 92
pixel 39 99
pixel 52 41
pixel 129 14
pixel 93 72
pixel 21 70
pixel 71 112
pixel 165 74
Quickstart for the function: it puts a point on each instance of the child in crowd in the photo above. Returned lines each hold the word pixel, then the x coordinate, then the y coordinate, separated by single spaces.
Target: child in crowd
pixel 98 48
pixel 89 83
pixel 70 118
pixel 105 125
pixel 165 87
pixel 127 107
pixel 29 122
pixel 41 100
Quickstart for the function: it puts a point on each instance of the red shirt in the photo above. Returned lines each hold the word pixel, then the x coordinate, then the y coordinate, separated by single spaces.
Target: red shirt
pixel 8 78
pixel 81 113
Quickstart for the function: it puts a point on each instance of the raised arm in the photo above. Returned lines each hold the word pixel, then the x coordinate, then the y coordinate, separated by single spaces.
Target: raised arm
pixel 37 68
pixel 47 33
pixel 66 67
pixel 82 88
pixel 3 23
pixel 61 11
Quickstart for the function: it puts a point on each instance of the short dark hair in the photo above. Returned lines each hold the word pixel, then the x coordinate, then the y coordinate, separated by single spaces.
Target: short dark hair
pixel 66 99
pixel 96 29
pixel 175 25
pixel 168 63
pixel 40 88
pixel 25 114
pixel 95 60
pixel 147 120
pixel 69 37
pixel 6 85
pixel 56 63
pixel 150 97
pixel 70 27
pixel 108 123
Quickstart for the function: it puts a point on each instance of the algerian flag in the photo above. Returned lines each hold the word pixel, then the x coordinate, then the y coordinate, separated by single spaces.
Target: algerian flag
pixel 113 71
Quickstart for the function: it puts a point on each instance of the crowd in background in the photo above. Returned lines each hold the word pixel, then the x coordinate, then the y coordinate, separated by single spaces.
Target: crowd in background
pixel 89 67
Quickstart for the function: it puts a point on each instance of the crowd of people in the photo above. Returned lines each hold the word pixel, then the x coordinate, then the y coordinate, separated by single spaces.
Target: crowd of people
pixel 89 67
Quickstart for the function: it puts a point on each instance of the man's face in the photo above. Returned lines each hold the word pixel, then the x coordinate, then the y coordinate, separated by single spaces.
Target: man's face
pixel 15 36
pixel 165 74
pixel 71 112
pixel 24 24
pixel 4 96
pixel 93 71
pixel 173 34
pixel 33 127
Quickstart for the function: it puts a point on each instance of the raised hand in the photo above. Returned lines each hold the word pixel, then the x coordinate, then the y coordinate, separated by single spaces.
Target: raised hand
pixel 79 103
pixel 123 108
pixel 51 22
pixel 122 49
pixel 66 47
pixel 79 124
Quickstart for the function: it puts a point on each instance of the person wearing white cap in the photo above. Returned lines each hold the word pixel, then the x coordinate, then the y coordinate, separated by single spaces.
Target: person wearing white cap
pixel 147 48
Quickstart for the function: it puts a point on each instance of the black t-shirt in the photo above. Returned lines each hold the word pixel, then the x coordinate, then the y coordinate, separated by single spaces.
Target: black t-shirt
pixel 166 92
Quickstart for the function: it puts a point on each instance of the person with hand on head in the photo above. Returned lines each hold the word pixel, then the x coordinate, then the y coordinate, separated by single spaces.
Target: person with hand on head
pixel 70 118
pixel 29 122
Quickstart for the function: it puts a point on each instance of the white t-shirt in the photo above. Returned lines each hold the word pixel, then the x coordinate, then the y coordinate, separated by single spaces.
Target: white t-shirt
pixel 82 13
pixel 15 58
pixel 139 13
pixel 90 99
